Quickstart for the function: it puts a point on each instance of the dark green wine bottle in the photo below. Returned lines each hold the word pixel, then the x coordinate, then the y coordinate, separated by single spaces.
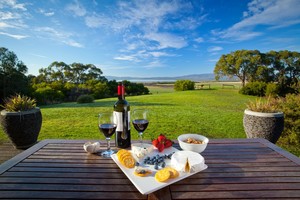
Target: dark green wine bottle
pixel 122 119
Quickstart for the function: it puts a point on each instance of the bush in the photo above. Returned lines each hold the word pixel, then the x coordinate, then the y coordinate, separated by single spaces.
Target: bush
pixel 272 89
pixel 18 103
pixel 269 105
pixel 256 88
pixel 47 95
pixel 85 99
pixel 133 89
pixel 291 109
pixel 182 85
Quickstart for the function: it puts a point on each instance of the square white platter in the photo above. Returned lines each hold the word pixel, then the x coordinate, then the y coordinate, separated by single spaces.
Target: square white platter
pixel 148 184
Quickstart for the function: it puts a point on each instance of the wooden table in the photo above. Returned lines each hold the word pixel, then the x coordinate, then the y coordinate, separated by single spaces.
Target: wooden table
pixel 237 169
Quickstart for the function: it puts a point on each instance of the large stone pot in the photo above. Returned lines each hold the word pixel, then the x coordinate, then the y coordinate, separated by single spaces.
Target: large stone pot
pixel 22 128
pixel 263 125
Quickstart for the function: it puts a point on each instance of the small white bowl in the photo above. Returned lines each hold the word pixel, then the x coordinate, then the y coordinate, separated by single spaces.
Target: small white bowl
pixel 193 147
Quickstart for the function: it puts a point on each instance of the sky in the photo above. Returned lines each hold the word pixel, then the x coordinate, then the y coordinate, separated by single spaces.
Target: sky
pixel 145 38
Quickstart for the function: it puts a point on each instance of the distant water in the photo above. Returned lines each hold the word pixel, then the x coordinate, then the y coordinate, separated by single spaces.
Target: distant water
pixel 148 80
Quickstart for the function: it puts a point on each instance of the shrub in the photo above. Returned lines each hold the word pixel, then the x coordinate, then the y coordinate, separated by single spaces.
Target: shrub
pixel 18 103
pixel 135 88
pixel 270 105
pixel 47 95
pixel 182 85
pixel 291 109
pixel 255 88
pixel 85 99
pixel 272 89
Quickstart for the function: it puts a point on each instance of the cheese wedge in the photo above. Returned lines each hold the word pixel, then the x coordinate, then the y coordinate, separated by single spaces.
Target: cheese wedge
pixel 187 161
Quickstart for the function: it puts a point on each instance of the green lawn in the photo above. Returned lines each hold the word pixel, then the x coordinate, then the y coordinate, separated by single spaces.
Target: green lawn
pixel 215 113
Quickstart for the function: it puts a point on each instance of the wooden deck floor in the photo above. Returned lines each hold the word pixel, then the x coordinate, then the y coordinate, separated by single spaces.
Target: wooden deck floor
pixel 7 151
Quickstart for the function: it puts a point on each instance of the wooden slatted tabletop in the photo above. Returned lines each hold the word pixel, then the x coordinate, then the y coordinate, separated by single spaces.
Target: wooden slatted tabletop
pixel 237 169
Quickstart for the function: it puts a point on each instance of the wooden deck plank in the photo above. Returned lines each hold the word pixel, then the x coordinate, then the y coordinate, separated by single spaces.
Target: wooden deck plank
pixel 235 187
pixel 69 180
pixel 70 195
pixel 69 187
pixel 283 194
pixel 8 151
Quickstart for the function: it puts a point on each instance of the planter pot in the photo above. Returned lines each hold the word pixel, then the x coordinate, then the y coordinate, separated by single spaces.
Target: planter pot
pixel 22 128
pixel 263 125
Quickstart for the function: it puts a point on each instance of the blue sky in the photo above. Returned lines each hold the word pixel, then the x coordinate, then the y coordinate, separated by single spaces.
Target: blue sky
pixel 145 38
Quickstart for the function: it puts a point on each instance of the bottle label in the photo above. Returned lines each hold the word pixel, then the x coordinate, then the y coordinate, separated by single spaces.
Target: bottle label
pixel 118 119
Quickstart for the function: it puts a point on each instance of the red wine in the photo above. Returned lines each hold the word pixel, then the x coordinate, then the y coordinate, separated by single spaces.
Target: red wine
pixel 108 129
pixel 122 119
pixel 140 124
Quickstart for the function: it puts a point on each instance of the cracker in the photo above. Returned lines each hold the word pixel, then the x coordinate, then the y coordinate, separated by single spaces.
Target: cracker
pixel 162 175
pixel 128 161
pixel 121 151
pixel 142 172
pixel 122 154
pixel 174 172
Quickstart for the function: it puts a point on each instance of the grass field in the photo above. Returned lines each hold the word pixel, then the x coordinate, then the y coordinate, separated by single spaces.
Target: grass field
pixel 215 113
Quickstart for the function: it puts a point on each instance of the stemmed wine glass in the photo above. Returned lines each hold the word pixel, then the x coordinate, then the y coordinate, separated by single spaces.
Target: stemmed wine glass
pixel 107 127
pixel 140 121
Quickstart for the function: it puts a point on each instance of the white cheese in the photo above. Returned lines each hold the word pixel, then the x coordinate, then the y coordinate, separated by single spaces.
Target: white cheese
pixel 141 152
pixel 187 161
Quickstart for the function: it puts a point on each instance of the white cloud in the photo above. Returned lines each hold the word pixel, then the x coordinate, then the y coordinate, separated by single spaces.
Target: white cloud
pixel 11 16
pixel 38 55
pixel 166 40
pixel 144 27
pixel 59 36
pixel 5 25
pixel 154 64
pixel 96 21
pixel 13 4
pixel 214 49
pixel 7 15
pixel 18 37
pixel 46 13
pixel 76 8
pixel 213 60
pixel 145 14
pixel 160 54
pixel 124 57
pixel 199 40
pixel 148 18
pixel 272 13
pixel 72 43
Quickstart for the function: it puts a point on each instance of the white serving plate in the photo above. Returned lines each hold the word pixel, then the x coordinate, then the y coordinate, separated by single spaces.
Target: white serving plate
pixel 147 185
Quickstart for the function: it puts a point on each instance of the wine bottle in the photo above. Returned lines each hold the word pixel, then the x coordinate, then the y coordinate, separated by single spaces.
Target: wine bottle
pixel 122 119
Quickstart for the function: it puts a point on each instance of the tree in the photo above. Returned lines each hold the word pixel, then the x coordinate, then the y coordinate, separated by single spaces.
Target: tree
pixel 12 74
pixel 285 68
pixel 72 80
pixel 290 65
pixel 241 63
pixel 77 73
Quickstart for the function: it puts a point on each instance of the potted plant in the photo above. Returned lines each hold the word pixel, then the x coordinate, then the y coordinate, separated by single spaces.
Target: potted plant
pixel 21 120
pixel 263 119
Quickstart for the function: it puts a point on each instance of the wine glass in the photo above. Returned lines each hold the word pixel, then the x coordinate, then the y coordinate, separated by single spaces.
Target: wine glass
pixel 107 127
pixel 140 121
